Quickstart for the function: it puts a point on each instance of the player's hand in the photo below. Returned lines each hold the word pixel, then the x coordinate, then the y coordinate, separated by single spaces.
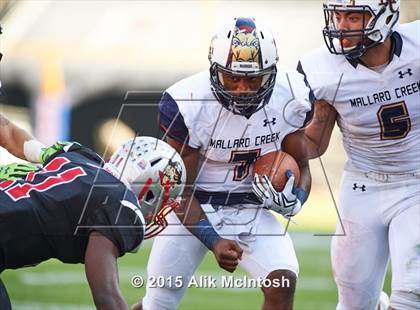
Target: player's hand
pixel 47 152
pixel 287 203
pixel 228 253
pixel 16 171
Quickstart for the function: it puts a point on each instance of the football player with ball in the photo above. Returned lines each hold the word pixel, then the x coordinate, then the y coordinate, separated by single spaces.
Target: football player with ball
pixel 221 121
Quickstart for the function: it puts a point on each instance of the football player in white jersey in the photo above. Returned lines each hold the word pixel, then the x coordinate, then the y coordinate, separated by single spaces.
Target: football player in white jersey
pixel 221 121
pixel 368 81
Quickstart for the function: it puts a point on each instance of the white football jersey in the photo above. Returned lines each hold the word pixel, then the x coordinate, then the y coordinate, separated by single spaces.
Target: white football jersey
pixel 230 143
pixel 378 112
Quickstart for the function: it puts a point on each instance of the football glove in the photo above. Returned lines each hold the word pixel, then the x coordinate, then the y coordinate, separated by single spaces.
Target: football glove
pixel 287 203
pixel 16 171
pixel 47 152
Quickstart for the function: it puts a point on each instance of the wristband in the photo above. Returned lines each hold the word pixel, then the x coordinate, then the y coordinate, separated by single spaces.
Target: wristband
pixel 32 149
pixel 301 195
pixel 205 233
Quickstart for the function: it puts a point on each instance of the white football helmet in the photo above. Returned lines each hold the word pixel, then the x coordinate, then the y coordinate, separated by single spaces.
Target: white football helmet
pixel 384 18
pixel 243 49
pixel 155 172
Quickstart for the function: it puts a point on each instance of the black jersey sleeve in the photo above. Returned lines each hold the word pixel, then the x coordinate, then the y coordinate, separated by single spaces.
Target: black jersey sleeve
pixel 122 223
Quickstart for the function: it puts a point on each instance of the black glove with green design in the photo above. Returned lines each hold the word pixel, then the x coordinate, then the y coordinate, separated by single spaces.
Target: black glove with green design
pixel 47 152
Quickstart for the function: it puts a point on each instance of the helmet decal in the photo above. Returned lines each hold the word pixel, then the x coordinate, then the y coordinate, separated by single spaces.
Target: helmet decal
pixel 172 174
pixel 393 5
pixel 245 46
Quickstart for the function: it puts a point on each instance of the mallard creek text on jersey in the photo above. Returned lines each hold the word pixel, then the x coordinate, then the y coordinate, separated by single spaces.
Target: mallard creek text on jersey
pixel 399 92
pixel 244 142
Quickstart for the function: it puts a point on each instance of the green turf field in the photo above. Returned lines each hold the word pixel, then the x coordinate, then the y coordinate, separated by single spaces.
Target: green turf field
pixel 53 285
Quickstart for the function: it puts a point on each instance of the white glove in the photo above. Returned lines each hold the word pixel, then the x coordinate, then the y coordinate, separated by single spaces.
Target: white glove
pixel 287 203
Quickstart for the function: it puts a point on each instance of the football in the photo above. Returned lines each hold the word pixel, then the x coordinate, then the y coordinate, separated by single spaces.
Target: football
pixel 274 165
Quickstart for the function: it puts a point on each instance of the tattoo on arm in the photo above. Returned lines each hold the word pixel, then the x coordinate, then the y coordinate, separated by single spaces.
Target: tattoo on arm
pixel 318 131
pixel 323 112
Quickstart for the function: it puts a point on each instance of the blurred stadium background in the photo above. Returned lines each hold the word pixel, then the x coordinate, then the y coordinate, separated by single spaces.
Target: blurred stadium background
pixel 70 66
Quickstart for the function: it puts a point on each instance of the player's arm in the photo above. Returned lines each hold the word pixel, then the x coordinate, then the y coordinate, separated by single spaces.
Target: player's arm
pixel 18 142
pixel 227 252
pixel 102 272
pixel 294 145
pixel 317 134
pixel 190 211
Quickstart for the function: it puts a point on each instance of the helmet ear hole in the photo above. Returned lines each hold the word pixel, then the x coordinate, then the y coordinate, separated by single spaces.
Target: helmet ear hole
pixel 149 196
pixel 154 162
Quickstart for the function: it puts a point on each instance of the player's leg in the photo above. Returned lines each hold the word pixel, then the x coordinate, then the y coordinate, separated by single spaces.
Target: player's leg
pixel 280 297
pixel 4 298
pixel 359 251
pixel 271 257
pixel 404 243
pixel 174 257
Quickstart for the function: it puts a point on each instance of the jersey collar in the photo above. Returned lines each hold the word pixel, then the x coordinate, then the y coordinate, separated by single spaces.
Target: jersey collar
pixel 396 48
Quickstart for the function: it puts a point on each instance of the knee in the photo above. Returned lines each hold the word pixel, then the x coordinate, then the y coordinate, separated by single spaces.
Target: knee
pixel 409 300
pixel 161 299
pixel 164 293
pixel 356 297
pixel 279 288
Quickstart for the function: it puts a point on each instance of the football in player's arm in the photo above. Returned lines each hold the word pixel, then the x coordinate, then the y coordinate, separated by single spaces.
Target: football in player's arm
pixel 290 200
pixel 75 221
